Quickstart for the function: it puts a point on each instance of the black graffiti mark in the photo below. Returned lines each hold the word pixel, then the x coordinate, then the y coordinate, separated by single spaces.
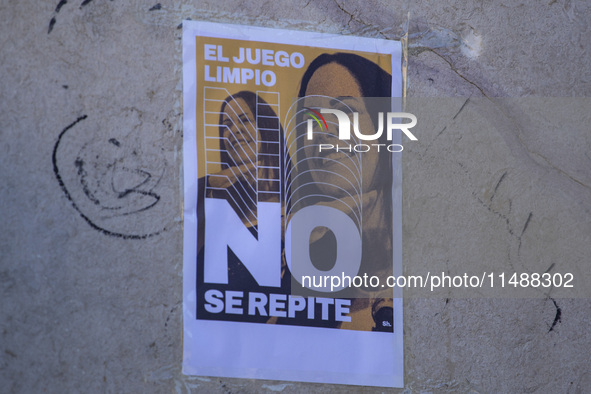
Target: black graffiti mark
pixel 498 184
pixel 60 5
pixel 526 223
pixel 158 6
pixel 549 268
pixel 83 174
pixel 135 189
pixel 174 308
pixel 461 109
pixel 143 193
pixel 557 317
pixel 57 10
pixel 80 167
pixel 51 24
pixel 147 177
pixel 79 163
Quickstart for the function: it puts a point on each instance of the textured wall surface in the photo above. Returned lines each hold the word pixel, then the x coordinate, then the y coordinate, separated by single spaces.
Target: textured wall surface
pixel 90 190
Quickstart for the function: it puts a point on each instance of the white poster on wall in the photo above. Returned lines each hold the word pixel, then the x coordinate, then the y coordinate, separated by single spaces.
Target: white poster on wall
pixel 292 206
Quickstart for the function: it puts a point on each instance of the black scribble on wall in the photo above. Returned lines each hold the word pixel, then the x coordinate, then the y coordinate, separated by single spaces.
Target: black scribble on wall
pixel 108 182
pixel 557 316
pixel 53 18
pixel 106 185
pixel 58 8
pixel 60 5
pixel 51 24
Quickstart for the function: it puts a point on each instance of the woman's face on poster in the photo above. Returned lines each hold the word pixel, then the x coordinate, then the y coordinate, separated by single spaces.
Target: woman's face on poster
pixel 240 135
pixel 349 171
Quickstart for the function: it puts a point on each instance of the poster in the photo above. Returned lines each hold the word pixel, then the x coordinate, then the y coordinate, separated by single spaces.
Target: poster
pixel 288 208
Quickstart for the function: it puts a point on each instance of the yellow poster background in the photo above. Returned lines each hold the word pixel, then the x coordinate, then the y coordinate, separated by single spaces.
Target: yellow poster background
pixel 287 81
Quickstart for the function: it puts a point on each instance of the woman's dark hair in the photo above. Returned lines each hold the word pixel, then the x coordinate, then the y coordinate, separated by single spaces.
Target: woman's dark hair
pixel 373 81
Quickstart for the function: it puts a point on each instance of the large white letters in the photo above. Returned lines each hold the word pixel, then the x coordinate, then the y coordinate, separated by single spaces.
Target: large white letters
pixel 223 229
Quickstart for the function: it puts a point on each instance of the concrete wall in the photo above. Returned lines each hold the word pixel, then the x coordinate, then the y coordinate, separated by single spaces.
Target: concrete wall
pixel 91 301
